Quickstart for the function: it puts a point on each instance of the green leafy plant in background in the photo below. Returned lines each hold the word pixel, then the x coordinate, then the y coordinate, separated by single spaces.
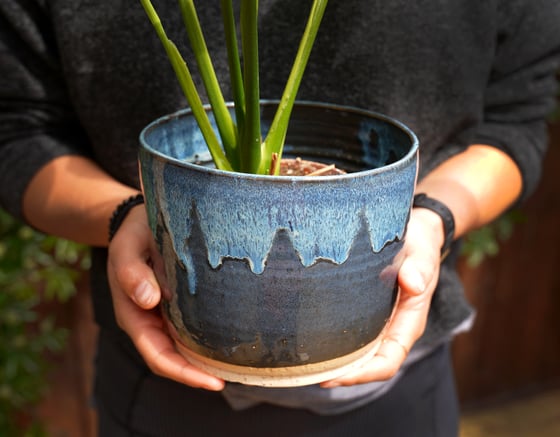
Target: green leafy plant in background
pixel 34 268
pixel 485 242
pixel 555 116
pixel 241 147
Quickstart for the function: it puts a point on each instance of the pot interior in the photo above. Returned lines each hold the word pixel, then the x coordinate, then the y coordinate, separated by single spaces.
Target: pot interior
pixel 347 137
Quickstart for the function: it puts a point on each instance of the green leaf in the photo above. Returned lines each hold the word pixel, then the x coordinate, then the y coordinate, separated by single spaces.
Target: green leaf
pixel 485 242
pixel 274 142
pixel 189 89
pixel 222 116
pixel 250 137
pixel 236 77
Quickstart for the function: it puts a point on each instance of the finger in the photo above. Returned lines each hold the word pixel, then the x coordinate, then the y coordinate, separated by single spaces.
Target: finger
pixel 411 279
pixel 383 366
pixel 130 262
pixel 161 356
pixel 389 358
pixel 146 330
pixel 406 326
pixel 419 271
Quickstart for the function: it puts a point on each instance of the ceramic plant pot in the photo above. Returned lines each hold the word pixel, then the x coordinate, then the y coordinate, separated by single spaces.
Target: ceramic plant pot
pixel 281 281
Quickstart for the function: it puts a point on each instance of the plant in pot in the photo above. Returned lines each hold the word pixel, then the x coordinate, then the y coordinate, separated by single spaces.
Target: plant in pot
pixel 274 278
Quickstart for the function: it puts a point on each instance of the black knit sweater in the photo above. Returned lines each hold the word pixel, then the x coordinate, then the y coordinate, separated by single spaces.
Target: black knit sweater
pixel 81 77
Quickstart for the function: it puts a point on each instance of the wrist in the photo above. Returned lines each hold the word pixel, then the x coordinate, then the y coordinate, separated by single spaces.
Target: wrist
pixel 445 219
pixel 122 211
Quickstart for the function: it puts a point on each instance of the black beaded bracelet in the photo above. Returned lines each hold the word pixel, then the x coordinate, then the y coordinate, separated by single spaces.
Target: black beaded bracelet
pixel 423 201
pixel 121 212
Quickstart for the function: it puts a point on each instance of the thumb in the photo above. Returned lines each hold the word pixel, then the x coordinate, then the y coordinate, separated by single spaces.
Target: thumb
pixel 411 279
pixel 130 263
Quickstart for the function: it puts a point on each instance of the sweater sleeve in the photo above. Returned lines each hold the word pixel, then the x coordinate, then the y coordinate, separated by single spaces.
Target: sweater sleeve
pixel 522 85
pixel 37 123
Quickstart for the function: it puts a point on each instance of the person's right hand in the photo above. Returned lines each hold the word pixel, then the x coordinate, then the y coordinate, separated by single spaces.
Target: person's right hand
pixel 132 263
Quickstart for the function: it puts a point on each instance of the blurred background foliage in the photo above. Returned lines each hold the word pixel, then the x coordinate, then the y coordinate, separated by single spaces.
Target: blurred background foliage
pixel 485 242
pixel 555 115
pixel 34 269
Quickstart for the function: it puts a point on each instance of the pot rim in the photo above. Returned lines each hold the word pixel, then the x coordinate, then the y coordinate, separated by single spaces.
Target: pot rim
pixel 410 155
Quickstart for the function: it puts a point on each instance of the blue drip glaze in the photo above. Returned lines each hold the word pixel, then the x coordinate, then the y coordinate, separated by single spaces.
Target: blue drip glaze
pixel 243 223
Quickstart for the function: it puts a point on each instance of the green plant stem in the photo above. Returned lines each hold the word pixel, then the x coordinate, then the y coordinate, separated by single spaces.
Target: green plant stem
pixel 222 116
pixel 250 144
pixel 236 78
pixel 274 142
pixel 244 149
pixel 189 89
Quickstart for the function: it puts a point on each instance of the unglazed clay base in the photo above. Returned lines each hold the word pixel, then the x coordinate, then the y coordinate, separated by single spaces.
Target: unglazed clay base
pixel 292 376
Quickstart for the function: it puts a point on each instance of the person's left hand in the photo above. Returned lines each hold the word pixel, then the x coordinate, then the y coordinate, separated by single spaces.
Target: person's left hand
pixel 417 278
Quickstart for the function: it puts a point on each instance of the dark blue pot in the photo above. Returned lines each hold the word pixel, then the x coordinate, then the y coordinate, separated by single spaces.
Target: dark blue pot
pixel 281 276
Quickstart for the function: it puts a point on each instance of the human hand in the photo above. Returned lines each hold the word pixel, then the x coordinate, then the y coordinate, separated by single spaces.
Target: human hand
pixel 132 265
pixel 417 278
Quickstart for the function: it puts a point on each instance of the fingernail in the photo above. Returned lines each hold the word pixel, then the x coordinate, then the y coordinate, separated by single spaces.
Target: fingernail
pixel 144 293
pixel 217 386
